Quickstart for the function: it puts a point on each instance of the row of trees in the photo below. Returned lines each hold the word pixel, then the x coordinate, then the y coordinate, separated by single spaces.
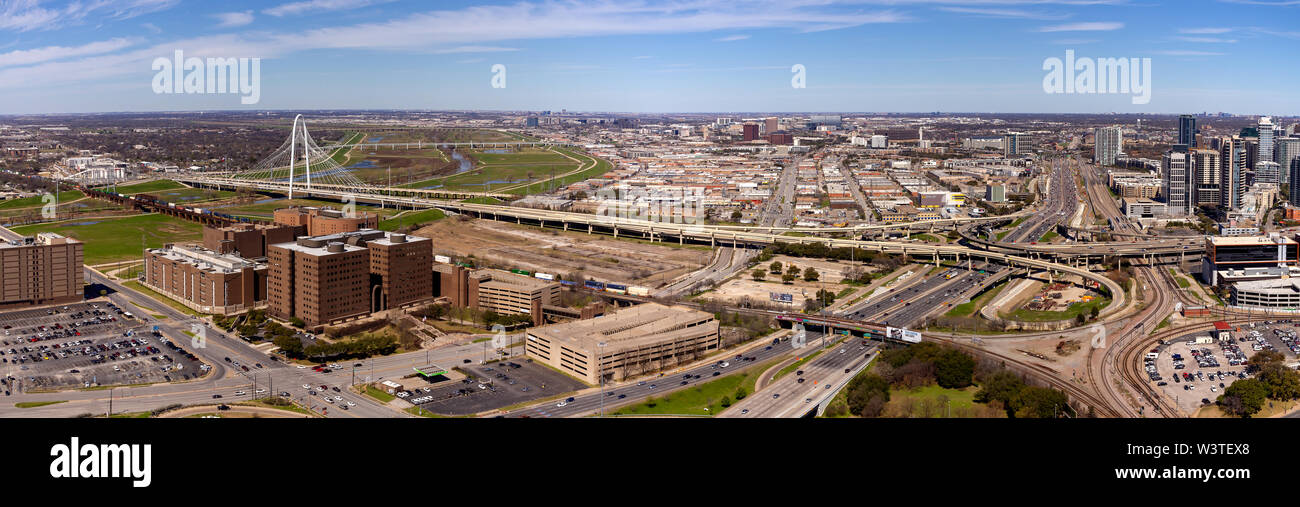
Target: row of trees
pixel 906 368
pixel 365 345
pixel 791 274
pixel 1019 399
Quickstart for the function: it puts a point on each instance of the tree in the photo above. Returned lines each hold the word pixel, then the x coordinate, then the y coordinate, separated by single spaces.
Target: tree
pixel 954 369
pixel 741 393
pixel 726 402
pixel 759 275
pixel 735 216
pixel 810 274
pixel 1039 402
pixel 297 322
pixel 775 268
pixel 289 345
pixel 1249 397
pixel 792 269
pixel 1283 383
pixel 863 388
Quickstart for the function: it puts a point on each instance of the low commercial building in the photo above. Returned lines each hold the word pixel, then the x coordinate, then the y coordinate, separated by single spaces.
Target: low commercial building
pixel 41 269
pixel 1281 293
pixel 205 280
pixel 1240 252
pixel 1134 207
pixel 499 291
pixel 642 339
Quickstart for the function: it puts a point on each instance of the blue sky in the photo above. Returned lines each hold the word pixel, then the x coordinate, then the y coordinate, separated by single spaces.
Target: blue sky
pixel 677 56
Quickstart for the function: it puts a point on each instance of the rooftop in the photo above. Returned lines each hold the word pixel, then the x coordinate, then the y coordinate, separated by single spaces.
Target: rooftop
pixel 628 328
pixel 1249 240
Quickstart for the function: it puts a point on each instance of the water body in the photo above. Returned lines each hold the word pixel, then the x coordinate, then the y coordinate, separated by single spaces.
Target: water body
pixel 465 163
pixel 497 151
pixel 364 164
pixel 85 223
pixel 431 187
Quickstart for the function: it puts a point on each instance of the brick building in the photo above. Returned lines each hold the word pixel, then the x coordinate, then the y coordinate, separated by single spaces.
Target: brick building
pixel 331 278
pixel 325 221
pixel 503 292
pixel 45 269
pixel 206 280
pixel 249 240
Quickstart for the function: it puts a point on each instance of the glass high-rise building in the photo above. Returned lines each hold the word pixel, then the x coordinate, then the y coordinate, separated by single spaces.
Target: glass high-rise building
pixel 1286 150
pixel 1108 145
pixel 1265 128
pixel 1232 164
pixel 1175 171
pixel 1187 130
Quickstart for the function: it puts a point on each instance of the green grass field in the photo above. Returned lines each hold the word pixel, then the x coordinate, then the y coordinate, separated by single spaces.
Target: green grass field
pixel 149 187
pixel 1075 309
pixel 266 209
pixel 417 218
pixel 38 201
pixel 34 404
pixel 969 308
pixel 161 298
pixel 703 399
pixel 118 239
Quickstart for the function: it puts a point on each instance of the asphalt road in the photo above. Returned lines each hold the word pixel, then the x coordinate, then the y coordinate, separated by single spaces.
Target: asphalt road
pixel 788 397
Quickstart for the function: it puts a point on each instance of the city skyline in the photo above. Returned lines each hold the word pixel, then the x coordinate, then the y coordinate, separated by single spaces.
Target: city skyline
pixel 649 57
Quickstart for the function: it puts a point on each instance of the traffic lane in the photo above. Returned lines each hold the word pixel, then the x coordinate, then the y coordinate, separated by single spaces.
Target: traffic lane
pixel 818 371
pixel 937 299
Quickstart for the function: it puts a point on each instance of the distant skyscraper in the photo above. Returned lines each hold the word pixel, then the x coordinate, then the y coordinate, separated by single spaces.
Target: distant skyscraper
pixel 751 131
pixel 1109 144
pixel 1268 171
pixel 1176 176
pixel 531 121
pixel 1232 160
pixel 1265 128
pixel 771 125
pixel 1285 151
pixel 1187 130
pixel 1207 177
pixel 1011 144
pixel 1294 189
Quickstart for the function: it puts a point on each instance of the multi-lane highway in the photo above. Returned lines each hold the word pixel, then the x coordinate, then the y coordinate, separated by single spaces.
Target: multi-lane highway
pixel 797 393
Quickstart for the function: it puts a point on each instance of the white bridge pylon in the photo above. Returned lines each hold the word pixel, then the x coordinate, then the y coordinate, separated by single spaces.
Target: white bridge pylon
pixel 292 162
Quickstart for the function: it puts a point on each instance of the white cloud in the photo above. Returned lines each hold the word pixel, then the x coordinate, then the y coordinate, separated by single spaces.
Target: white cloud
pixel 315 6
pixel 1207 40
pixel 1090 26
pixel 1205 31
pixel 731 38
pixel 51 53
pixel 1005 13
pixel 26 15
pixel 233 19
pixel 1178 52
pixel 473 49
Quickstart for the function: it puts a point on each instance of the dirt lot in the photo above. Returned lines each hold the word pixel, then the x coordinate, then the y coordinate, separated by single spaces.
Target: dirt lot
pixel 829 275
pixel 564 253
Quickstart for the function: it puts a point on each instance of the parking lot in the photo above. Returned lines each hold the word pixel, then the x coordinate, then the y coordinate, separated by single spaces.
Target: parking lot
pixel 490 386
pixel 86 345
pixel 1194 373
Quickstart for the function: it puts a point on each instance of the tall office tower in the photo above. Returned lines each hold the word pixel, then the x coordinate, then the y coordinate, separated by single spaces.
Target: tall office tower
pixel 1011 144
pixel 750 132
pixel 1187 130
pixel 1176 179
pixel 771 124
pixel 1286 150
pixel 1207 173
pixel 1295 189
pixel 1265 128
pixel 1232 161
pixel 1108 145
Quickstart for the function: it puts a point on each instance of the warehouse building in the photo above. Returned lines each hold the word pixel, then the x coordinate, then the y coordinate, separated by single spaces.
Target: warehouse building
pixel 495 290
pixel 44 269
pixel 638 340
pixel 1281 293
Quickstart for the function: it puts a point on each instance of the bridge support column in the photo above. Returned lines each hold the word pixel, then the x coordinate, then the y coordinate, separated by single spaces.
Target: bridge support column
pixel 615 231
pixel 588 228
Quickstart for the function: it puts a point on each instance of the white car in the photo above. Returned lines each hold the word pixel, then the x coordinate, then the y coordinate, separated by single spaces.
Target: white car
pixel 481 386
pixel 260 391
pixel 240 393
pixel 350 404
pixel 306 386
pixel 562 403
pixel 301 367
pixel 329 400
pixel 338 398
pixel 321 389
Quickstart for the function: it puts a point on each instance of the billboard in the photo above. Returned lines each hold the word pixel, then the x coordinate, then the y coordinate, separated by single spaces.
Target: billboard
pixel 906 335
pixel 781 298
pixel 442 258
pixel 544 276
